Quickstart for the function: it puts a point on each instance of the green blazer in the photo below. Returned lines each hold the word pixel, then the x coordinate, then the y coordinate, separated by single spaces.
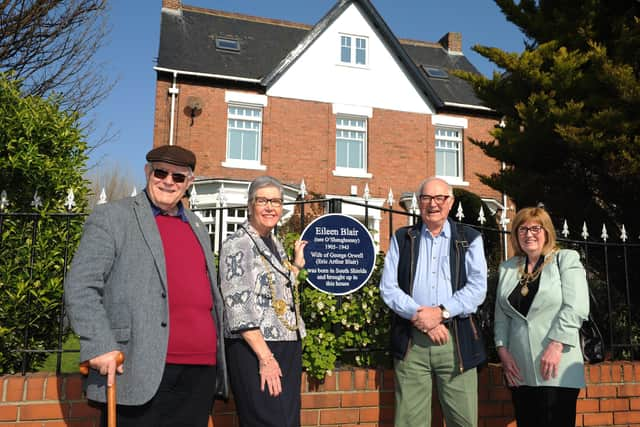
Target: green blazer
pixel 557 312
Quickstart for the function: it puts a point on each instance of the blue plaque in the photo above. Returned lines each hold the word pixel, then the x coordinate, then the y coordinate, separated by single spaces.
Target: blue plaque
pixel 339 256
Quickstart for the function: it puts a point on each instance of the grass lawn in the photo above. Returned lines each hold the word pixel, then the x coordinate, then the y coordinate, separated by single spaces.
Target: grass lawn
pixel 70 361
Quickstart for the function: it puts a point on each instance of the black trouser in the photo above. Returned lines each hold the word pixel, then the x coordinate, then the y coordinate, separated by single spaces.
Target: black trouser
pixel 184 399
pixel 545 406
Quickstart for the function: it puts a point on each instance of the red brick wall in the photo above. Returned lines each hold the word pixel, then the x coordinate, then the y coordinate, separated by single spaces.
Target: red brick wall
pixel 362 397
pixel 299 142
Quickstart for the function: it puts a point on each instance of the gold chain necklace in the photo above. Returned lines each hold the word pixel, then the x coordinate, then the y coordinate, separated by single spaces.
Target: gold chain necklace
pixel 280 305
pixel 526 278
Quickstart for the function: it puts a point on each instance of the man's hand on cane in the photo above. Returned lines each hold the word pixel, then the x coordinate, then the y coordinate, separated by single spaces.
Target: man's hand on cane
pixel 108 364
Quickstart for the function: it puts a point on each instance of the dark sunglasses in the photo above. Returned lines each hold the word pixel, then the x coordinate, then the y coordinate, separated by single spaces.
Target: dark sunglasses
pixel 178 178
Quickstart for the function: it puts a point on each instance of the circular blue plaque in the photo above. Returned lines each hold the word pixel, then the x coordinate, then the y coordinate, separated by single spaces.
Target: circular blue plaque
pixel 339 256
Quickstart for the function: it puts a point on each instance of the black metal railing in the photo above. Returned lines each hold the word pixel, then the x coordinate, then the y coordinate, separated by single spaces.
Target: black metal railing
pixel 26 239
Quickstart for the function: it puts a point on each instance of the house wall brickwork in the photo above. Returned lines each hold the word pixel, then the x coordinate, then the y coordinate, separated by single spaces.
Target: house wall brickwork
pixel 298 142
pixel 349 397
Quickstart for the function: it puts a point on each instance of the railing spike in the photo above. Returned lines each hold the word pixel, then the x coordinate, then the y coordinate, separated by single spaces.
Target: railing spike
pixel 565 229
pixel 459 212
pixel 71 202
pixel 414 204
pixel 623 234
pixel 4 202
pixel 585 233
pixel 390 198
pixel 481 217
pixel 366 196
pixel 504 221
pixel 103 197
pixel 303 189
pixel 37 201
pixel 193 198
pixel 604 234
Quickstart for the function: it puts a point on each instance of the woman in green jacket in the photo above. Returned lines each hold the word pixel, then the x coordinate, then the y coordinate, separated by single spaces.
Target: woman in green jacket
pixel 541 302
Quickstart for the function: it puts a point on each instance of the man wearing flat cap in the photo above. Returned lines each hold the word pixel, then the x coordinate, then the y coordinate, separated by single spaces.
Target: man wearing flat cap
pixel 143 283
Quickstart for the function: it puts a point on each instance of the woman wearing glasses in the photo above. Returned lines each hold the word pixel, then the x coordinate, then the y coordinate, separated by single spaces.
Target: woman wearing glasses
pixel 541 302
pixel 261 299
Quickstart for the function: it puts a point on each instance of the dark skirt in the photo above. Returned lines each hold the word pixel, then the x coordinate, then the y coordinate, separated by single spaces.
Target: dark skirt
pixel 256 408
pixel 545 406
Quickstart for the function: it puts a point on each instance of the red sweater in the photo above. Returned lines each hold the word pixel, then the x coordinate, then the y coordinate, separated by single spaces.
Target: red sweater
pixel 192 333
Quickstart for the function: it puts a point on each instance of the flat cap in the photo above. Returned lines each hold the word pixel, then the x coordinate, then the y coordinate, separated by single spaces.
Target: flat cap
pixel 174 155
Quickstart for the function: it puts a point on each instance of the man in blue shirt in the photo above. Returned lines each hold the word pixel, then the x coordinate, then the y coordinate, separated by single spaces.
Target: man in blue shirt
pixel 429 293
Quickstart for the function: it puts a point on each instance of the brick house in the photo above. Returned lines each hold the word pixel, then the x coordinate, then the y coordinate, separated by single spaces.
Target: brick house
pixel 342 106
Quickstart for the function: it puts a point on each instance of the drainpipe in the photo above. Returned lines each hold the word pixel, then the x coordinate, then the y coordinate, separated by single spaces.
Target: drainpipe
pixel 173 91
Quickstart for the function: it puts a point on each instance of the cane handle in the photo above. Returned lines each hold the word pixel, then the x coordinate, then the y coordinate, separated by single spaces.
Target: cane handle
pixel 84 366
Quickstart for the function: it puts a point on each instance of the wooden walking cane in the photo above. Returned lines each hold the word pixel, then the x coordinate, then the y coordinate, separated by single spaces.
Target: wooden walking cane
pixel 111 390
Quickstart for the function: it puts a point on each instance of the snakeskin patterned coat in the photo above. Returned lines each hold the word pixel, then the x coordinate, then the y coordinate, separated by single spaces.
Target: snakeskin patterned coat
pixel 250 277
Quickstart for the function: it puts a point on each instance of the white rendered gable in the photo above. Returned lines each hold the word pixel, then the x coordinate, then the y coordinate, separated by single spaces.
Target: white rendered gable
pixel 318 74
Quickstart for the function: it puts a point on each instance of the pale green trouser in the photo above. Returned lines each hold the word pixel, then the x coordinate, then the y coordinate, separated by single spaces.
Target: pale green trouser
pixel 458 393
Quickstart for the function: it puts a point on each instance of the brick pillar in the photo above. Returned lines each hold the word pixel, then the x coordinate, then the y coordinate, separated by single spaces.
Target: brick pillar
pixel 452 42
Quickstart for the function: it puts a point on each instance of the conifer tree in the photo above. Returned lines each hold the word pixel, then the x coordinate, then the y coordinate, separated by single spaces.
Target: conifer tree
pixel 570 134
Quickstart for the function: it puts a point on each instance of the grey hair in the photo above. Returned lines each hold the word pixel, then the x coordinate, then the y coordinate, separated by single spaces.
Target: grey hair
pixel 262 182
pixel 431 179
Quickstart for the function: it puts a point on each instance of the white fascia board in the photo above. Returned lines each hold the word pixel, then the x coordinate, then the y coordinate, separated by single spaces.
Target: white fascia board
pixel 212 76
pixel 469 106
pixel 245 98
pixel 352 110
pixel 442 120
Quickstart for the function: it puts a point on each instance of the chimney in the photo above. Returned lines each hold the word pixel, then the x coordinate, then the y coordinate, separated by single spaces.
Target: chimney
pixel 172 4
pixel 452 42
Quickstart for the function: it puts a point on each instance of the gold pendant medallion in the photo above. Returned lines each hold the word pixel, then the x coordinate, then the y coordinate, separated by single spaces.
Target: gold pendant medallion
pixel 279 306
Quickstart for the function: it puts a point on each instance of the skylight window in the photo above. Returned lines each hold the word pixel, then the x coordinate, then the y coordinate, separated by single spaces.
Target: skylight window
pixel 227 44
pixel 437 73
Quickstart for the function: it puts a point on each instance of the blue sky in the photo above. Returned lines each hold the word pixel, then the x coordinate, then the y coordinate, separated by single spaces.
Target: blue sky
pixel 132 46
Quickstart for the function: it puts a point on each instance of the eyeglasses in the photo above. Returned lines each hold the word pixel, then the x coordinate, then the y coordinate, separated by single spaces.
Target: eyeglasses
pixel 439 199
pixel 534 229
pixel 177 177
pixel 263 201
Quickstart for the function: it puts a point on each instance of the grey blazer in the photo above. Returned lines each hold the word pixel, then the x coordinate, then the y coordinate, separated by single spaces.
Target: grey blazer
pixel 557 312
pixel 116 297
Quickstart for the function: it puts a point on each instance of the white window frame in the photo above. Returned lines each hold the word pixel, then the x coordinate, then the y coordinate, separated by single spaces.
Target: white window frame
pixel 252 102
pixel 459 124
pixel 354 48
pixel 234 220
pixel 360 172
pixel 447 143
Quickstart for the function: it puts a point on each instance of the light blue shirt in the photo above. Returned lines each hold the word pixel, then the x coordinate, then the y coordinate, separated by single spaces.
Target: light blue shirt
pixel 432 281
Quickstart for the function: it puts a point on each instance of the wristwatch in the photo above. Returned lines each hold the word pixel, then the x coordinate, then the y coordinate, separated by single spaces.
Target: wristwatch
pixel 445 313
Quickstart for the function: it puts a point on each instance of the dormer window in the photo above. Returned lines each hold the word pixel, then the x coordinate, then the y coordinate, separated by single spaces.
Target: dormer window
pixel 227 44
pixel 353 50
